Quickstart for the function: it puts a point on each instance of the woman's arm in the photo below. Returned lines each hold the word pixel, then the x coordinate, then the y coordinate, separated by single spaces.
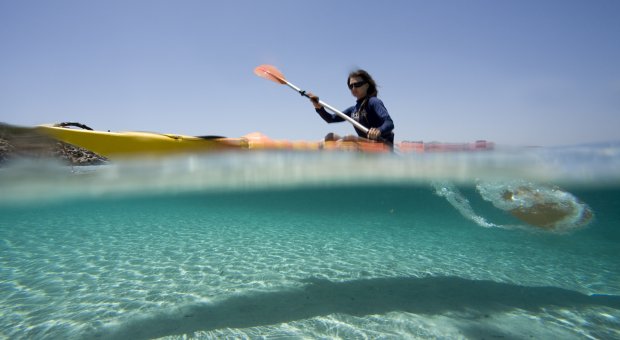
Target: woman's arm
pixel 333 118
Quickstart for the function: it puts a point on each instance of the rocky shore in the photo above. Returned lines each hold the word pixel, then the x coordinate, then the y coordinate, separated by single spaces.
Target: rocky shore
pixel 22 142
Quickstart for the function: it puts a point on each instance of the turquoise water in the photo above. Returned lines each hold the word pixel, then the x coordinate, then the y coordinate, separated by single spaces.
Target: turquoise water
pixel 300 245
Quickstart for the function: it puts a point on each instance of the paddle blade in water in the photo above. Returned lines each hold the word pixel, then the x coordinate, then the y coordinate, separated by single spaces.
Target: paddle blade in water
pixel 271 73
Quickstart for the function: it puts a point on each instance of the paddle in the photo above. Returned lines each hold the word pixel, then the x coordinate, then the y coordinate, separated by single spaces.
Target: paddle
pixel 271 73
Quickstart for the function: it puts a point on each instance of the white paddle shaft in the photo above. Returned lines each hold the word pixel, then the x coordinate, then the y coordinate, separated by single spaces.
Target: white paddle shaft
pixel 329 107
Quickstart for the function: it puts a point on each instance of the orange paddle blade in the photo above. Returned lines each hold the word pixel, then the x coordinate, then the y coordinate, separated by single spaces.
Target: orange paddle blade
pixel 271 73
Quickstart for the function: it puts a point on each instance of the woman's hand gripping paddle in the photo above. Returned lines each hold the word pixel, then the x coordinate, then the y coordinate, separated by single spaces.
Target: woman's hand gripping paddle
pixel 271 73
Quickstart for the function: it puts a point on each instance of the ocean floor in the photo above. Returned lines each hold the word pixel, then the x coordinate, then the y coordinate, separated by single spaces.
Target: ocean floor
pixel 124 252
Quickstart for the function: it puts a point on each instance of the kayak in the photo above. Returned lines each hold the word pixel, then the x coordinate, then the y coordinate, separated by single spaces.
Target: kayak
pixel 115 145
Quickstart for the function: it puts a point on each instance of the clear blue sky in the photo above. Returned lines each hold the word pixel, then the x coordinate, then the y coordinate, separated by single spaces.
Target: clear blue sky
pixel 543 72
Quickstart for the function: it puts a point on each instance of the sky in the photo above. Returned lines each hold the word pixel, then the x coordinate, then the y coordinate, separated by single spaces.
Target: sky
pixel 523 72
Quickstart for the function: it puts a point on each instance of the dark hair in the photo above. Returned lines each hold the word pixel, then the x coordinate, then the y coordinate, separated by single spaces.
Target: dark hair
pixel 372 86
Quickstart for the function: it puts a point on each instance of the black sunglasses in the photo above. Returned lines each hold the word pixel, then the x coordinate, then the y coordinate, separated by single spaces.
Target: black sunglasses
pixel 356 85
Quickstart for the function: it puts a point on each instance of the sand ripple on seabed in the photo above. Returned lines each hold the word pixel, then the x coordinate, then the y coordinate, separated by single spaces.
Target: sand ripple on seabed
pixel 401 325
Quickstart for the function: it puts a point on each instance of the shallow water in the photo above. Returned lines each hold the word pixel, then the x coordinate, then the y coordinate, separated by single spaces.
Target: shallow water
pixel 290 245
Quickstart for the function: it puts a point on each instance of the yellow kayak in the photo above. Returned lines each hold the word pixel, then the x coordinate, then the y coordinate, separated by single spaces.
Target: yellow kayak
pixel 115 145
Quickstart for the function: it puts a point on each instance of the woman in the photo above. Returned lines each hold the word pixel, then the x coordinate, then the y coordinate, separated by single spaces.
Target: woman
pixel 368 110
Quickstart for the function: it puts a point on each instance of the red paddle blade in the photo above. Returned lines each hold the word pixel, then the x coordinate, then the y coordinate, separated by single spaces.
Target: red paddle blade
pixel 271 73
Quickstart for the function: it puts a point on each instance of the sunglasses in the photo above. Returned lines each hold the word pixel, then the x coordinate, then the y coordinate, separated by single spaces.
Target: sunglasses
pixel 357 85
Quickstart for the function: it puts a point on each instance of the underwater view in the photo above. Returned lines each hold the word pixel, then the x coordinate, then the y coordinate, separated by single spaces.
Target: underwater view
pixel 516 243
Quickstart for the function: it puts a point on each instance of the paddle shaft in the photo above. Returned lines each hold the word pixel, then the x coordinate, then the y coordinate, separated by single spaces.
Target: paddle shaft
pixel 329 107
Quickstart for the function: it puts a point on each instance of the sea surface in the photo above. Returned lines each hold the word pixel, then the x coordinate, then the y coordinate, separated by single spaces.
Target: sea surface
pixel 516 243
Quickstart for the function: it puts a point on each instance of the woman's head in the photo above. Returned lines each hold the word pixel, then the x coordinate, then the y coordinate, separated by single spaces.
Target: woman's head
pixel 361 84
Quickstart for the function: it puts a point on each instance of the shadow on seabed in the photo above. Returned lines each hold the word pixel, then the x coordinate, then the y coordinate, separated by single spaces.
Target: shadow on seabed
pixel 319 297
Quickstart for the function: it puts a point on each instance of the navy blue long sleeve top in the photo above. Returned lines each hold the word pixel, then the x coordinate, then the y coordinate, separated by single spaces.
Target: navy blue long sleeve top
pixel 372 115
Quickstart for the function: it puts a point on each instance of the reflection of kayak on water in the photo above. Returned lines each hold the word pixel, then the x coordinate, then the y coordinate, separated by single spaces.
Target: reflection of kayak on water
pixel 548 208
pixel 545 207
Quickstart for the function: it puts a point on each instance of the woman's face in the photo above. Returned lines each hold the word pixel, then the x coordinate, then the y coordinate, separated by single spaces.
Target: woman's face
pixel 358 87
